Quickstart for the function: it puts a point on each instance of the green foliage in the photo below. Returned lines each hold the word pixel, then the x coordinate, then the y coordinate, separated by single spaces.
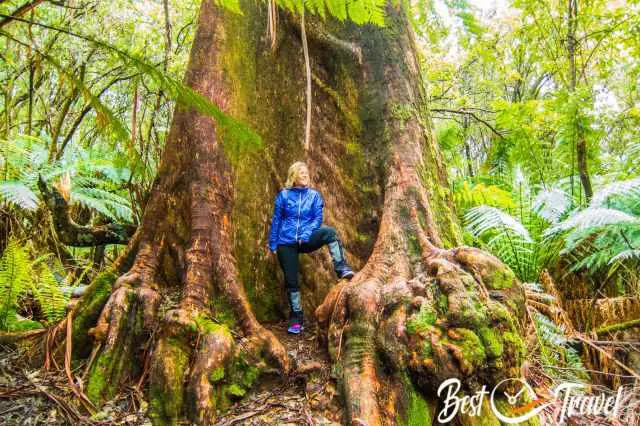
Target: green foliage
pixel 358 11
pixel 15 279
pixel 95 182
pixel 605 235
pixel 50 297
pixel 232 130
pixel 467 196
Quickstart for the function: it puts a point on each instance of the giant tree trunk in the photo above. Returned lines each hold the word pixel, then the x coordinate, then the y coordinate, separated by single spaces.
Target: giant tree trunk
pixel 417 312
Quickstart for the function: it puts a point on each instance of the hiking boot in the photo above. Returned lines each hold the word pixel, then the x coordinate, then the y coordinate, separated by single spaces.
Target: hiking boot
pixel 296 317
pixel 340 265
pixel 345 273
pixel 296 322
pixel 295 328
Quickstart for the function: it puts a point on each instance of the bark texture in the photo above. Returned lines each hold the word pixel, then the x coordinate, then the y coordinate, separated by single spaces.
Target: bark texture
pixel 419 310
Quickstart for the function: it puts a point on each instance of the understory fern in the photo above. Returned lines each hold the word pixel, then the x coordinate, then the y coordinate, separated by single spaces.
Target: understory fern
pixel 50 297
pixel 509 240
pixel 15 279
pixel 559 357
pixel 21 277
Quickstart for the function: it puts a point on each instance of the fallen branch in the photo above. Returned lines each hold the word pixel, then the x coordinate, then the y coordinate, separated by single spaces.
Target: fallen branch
pixel 13 337
pixel 71 233
pixel 618 327
pixel 608 355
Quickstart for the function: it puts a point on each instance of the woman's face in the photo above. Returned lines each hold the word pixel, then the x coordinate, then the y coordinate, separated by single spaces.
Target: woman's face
pixel 303 177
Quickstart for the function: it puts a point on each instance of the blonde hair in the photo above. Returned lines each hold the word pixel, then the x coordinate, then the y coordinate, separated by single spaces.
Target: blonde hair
pixel 294 172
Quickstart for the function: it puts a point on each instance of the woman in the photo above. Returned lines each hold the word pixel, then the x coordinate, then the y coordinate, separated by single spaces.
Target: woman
pixel 296 228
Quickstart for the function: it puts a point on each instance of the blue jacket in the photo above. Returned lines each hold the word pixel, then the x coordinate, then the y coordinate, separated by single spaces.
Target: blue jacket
pixel 296 214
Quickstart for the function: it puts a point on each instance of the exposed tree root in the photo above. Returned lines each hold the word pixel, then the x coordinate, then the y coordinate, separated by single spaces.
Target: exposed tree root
pixel 439 324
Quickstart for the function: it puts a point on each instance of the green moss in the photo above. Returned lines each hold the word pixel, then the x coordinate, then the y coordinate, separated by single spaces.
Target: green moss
pixel 442 303
pixel 502 278
pixel 425 318
pixel 216 375
pixel 415 410
pixel 473 314
pixel 426 350
pixel 241 377
pixel 402 113
pixel 166 391
pixel 236 390
pixel 24 325
pixel 492 342
pixel 88 311
pixel 98 378
pixel 470 345
pixel 514 340
pixel 114 363
pixel 419 412
pixel 204 325
pixel 414 249
pixel 343 105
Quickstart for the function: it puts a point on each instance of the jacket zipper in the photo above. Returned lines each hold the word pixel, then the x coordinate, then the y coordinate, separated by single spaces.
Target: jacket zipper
pixel 298 224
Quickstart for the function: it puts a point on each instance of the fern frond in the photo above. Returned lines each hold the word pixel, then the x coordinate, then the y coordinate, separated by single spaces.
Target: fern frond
pixel 104 116
pixel 482 219
pixel 591 217
pixel 551 204
pixel 107 203
pixel 52 300
pixel 233 131
pixel 15 277
pixel 625 188
pixel 625 255
pixel 19 194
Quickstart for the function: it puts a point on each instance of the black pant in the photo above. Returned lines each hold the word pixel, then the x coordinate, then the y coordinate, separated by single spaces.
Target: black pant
pixel 288 254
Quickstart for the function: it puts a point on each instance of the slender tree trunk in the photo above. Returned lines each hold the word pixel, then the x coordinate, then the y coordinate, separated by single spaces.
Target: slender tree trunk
pixel 418 311
pixel 581 141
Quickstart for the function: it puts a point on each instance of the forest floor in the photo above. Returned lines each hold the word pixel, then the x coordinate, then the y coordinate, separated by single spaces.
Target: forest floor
pixel 32 396
pixel 302 399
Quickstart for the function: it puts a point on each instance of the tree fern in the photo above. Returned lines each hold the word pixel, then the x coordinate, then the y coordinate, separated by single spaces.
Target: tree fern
pixel 482 219
pixel 507 239
pixel 592 217
pixel 19 194
pixel 235 132
pixel 551 204
pixel 625 188
pixel 556 350
pixel 467 196
pixel 15 277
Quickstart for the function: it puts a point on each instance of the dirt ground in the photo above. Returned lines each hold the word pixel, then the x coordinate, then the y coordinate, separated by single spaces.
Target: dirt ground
pixel 31 396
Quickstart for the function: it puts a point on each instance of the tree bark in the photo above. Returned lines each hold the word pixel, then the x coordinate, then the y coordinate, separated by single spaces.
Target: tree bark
pixel 418 311
pixel 581 141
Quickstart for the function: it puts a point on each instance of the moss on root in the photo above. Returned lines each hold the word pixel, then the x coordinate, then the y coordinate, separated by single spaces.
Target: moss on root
pixel 425 318
pixel 415 410
pixel 501 279
pixel 492 342
pixel 166 391
pixel 118 362
pixel 88 310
